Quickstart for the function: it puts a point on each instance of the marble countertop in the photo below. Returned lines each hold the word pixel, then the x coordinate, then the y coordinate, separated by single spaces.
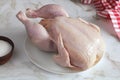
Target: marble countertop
pixel 20 68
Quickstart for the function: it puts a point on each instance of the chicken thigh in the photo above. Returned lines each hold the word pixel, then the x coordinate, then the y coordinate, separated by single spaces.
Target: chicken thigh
pixel 36 32
pixel 79 44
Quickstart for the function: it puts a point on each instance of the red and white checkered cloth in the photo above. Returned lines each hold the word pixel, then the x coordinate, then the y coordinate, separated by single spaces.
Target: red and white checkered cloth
pixel 108 9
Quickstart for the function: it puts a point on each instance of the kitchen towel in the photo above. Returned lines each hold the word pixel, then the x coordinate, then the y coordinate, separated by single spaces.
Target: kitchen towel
pixel 109 9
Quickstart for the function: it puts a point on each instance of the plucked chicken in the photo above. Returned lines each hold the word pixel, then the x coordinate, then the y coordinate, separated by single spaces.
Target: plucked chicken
pixel 79 44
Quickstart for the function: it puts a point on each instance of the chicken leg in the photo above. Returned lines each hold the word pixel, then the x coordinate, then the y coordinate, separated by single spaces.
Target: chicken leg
pixel 37 33
pixel 47 11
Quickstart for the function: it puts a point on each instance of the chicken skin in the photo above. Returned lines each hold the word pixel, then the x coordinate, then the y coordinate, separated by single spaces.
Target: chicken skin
pixel 79 44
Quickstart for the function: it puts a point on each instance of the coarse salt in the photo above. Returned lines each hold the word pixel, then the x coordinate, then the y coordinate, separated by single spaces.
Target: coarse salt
pixel 5 48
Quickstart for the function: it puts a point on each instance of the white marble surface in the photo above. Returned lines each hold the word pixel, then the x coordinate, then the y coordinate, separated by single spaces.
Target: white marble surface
pixel 20 68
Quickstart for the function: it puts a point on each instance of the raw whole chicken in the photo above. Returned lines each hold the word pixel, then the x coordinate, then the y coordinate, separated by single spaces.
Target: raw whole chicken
pixel 79 44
